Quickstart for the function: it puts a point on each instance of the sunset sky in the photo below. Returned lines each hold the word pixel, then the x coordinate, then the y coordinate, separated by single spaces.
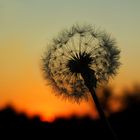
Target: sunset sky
pixel 27 26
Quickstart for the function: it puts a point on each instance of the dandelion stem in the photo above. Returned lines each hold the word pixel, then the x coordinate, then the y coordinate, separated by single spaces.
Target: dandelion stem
pixel 102 114
pixel 90 82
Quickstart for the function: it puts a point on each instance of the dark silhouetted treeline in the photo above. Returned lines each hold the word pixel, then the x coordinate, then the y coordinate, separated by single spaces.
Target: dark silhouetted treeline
pixel 126 124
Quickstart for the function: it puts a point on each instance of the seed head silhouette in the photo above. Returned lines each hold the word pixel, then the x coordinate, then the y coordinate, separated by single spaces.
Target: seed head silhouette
pixel 79 60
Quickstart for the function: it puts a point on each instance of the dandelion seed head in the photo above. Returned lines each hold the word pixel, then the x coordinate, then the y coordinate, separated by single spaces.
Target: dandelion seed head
pixel 80 47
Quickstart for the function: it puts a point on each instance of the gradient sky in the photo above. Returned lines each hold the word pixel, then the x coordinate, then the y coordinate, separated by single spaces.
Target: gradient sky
pixel 26 26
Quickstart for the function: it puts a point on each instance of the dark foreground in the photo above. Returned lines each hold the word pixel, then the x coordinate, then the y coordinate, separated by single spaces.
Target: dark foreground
pixel 126 124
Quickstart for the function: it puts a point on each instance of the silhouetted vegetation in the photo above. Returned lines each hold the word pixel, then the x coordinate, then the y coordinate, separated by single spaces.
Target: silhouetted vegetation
pixel 126 123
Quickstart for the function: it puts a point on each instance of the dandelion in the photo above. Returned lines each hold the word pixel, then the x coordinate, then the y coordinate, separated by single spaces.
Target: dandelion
pixel 79 60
